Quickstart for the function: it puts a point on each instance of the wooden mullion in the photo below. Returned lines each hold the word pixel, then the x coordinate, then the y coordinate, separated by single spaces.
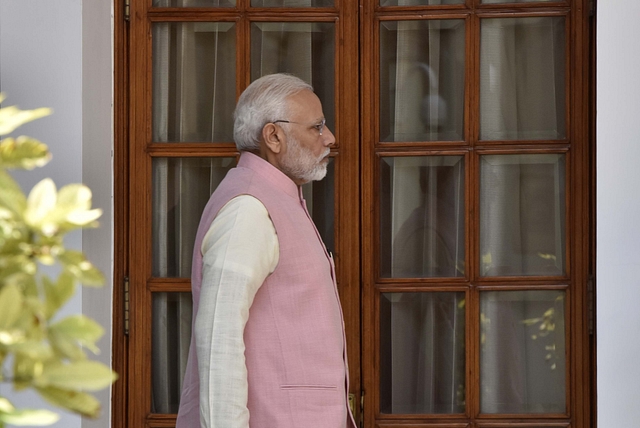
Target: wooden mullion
pixel 140 218
pixel 169 285
pixel 120 344
pixel 580 114
pixel 287 14
pixel 426 16
pixel 188 14
pixel 414 9
pixel 522 6
pixel 523 12
pixel 192 149
pixel 368 101
pixel 348 186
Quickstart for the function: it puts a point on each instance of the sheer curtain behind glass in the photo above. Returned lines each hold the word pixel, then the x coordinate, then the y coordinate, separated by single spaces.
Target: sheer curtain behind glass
pixel 422 71
pixel 304 49
pixel 522 214
pixel 522 78
pixel 422 353
pixel 522 352
pixel 193 100
pixel 181 189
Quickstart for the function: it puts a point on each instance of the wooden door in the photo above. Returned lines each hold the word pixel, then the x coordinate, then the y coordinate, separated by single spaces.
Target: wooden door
pixel 475 249
pixel 455 203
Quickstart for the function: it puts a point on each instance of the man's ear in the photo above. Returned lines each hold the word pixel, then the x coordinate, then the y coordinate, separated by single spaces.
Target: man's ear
pixel 272 137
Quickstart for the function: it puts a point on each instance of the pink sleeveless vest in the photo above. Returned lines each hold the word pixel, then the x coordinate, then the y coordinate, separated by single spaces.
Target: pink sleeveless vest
pixel 295 343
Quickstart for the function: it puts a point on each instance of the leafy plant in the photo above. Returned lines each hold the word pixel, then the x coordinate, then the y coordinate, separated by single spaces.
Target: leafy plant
pixel 37 349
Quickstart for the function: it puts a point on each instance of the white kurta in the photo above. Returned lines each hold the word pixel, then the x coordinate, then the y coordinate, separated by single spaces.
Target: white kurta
pixel 239 251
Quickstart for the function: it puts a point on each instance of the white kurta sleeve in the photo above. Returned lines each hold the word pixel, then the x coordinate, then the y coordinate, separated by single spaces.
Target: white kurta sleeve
pixel 239 251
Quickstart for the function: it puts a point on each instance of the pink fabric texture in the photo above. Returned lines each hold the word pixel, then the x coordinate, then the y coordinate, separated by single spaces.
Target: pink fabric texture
pixel 295 343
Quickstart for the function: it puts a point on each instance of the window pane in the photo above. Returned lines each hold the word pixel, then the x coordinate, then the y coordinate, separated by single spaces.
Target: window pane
pixel 291 3
pixel 522 352
pixel 422 70
pixel 422 353
pixel 522 78
pixel 181 189
pixel 418 2
pixel 304 49
pixel 422 216
pixel 194 81
pixel 320 197
pixel 522 215
pixel 171 336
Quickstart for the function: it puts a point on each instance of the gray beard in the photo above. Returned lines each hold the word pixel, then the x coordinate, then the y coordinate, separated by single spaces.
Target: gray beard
pixel 300 164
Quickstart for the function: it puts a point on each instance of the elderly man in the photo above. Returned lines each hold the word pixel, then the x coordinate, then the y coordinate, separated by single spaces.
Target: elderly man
pixel 268 349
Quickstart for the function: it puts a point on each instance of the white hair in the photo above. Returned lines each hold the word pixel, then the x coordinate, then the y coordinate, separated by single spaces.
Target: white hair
pixel 264 101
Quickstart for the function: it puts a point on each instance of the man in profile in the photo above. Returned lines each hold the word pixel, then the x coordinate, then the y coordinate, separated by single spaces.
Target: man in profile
pixel 268 345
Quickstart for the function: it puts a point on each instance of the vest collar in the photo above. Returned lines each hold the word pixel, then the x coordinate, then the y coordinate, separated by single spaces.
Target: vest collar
pixel 270 173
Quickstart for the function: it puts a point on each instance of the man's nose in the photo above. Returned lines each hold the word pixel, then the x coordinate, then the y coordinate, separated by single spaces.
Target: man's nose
pixel 328 138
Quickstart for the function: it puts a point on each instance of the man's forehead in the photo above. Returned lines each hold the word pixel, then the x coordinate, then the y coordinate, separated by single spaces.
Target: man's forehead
pixel 306 103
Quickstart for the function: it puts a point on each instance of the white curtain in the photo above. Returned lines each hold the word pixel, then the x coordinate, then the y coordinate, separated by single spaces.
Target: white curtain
pixel 422 337
pixel 522 97
pixel 189 91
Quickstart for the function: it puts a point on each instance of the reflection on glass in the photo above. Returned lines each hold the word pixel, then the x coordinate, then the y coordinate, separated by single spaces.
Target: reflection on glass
pixel 171 336
pixel 422 216
pixel 304 49
pixel 522 78
pixel 522 215
pixel 418 2
pixel 522 352
pixel 181 189
pixel 291 3
pixel 422 353
pixel 194 81
pixel 422 69
pixel 320 199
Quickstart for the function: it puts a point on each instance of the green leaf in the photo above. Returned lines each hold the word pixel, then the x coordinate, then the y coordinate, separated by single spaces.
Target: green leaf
pixel 34 350
pixel 11 196
pixel 83 375
pixel 59 293
pixel 12 117
pixel 76 329
pixel 29 417
pixel 23 152
pixel 40 203
pixel 79 402
pixel 81 268
pixel 10 305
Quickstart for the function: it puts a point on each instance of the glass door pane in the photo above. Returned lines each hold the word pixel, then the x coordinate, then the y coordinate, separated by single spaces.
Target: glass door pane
pixel 522 78
pixel 304 49
pixel 422 217
pixel 422 353
pixel 422 69
pixel 522 215
pixel 171 336
pixel 194 81
pixel 522 352
pixel 181 189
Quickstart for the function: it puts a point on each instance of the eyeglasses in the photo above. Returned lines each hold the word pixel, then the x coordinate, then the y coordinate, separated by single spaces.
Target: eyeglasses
pixel 318 126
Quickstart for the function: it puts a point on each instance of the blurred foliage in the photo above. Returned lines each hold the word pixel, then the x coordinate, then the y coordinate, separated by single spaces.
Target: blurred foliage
pixel 37 349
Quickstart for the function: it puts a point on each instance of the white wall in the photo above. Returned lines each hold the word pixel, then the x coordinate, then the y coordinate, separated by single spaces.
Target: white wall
pixel 57 53
pixel 618 216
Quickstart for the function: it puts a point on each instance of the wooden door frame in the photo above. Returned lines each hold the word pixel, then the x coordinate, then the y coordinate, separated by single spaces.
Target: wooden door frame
pixel 581 210
pixel 584 98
